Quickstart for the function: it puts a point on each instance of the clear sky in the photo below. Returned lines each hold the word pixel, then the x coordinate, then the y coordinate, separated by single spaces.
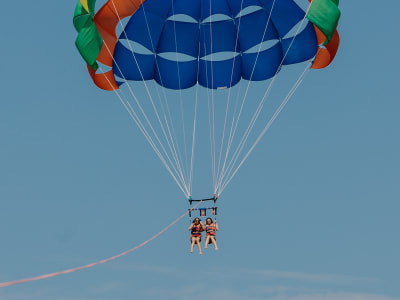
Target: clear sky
pixel 312 214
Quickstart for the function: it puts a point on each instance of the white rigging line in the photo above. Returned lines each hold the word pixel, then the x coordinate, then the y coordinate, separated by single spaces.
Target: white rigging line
pixel 179 173
pixel 194 124
pixel 232 135
pixel 230 138
pixel 259 109
pixel 184 176
pixel 193 143
pixel 208 99
pixel 212 104
pixel 141 127
pixel 210 126
pixel 170 140
pixel 131 110
pixel 180 92
pixel 268 125
pixel 229 94
pixel 172 136
pixel 175 146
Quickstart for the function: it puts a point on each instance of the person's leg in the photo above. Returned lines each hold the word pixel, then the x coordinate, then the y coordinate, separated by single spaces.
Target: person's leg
pixel 214 242
pixel 207 241
pixel 192 246
pixel 198 245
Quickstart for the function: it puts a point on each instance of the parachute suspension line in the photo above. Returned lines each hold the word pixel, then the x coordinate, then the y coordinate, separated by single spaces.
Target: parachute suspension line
pixel 212 103
pixel 173 135
pixel 50 275
pixel 287 98
pixel 175 150
pixel 172 148
pixel 184 136
pixel 258 111
pixel 229 95
pixel 182 181
pixel 230 138
pixel 231 166
pixel 128 106
pixel 210 128
pixel 243 102
pixel 268 125
pixel 193 142
pixel 194 124
pixel 262 102
pixel 178 157
pixel 142 129
pixel 209 116
pixel 180 92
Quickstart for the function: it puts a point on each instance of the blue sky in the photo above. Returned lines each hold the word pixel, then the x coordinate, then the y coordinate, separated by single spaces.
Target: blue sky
pixel 312 214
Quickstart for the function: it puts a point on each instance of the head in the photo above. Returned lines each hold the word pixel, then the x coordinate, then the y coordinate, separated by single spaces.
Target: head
pixel 196 221
pixel 209 221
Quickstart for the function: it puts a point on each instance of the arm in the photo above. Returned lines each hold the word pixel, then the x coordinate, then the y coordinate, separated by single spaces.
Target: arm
pixel 216 225
pixel 190 227
pixel 202 226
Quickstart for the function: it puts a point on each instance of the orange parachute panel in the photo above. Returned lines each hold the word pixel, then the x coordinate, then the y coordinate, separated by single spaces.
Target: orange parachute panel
pixel 327 53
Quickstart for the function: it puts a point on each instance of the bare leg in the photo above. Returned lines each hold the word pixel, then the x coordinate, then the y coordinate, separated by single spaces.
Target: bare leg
pixel 198 245
pixel 214 242
pixel 192 246
pixel 207 240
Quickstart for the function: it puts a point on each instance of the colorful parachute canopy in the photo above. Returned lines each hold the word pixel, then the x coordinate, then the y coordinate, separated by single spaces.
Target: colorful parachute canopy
pixel 89 40
pixel 213 43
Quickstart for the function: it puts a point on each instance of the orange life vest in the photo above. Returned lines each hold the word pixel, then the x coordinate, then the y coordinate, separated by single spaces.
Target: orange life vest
pixel 196 230
pixel 210 229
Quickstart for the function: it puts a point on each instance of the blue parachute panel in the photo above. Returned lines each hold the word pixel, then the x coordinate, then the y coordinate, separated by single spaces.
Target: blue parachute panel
pixel 144 29
pixel 303 47
pixel 220 74
pixel 284 14
pixel 176 75
pixel 252 30
pixel 160 8
pixel 210 8
pixel 185 7
pixel 223 35
pixel 186 42
pixel 263 65
pixel 132 66
pixel 237 6
pixel 184 37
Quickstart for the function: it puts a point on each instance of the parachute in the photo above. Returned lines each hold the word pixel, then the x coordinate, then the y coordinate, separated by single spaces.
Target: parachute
pixel 215 49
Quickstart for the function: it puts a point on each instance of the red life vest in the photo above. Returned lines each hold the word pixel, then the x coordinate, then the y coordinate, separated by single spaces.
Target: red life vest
pixel 196 230
pixel 210 229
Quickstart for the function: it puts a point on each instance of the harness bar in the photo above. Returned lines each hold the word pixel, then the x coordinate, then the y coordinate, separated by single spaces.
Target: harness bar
pixel 203 211
pixel 214 198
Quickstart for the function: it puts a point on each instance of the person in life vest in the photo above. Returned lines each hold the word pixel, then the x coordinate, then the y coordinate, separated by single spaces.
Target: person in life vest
pixel 211 228
pixel 196 228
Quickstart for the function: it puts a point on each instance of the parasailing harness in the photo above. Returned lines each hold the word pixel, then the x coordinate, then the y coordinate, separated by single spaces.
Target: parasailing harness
pixel 203 210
